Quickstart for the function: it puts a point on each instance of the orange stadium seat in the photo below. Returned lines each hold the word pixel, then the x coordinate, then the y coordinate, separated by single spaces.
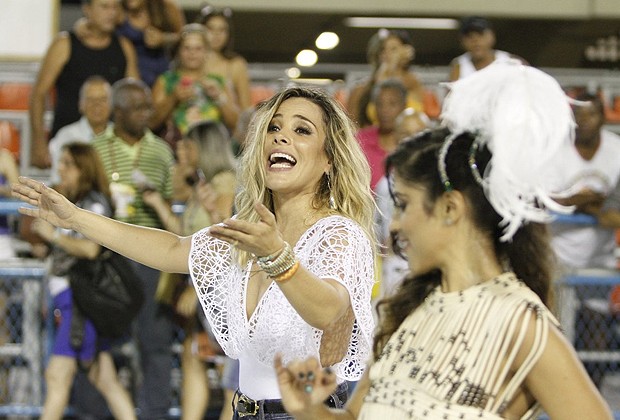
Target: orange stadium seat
pixel 259 93
pixel 15 95
pixel 432 107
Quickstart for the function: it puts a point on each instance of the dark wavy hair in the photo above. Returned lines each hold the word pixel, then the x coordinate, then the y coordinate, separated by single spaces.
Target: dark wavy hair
pixel 528 254
pixel 92 173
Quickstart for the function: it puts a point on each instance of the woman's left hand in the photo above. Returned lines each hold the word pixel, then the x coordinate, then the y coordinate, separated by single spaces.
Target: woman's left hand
pixel 261 238
pixel 304 385
pixel 50 205
pixel 212 88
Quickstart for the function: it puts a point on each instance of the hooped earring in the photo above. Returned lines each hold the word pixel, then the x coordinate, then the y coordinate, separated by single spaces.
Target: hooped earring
pixel 332 202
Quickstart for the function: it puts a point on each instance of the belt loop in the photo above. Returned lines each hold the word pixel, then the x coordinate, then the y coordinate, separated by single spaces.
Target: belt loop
pixel 234 400
pixel 261 409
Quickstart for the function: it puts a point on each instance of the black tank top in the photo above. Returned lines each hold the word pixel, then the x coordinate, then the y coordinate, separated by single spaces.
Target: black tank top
pixel 109 62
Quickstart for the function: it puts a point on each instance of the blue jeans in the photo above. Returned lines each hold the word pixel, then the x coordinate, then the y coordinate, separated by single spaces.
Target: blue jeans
pixel 335 400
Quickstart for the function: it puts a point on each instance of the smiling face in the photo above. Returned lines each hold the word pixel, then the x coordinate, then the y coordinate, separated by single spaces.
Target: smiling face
pixel 294 148
pixel 420 231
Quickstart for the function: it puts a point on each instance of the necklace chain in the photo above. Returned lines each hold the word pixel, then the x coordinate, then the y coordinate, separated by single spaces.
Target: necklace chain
pixel 115 175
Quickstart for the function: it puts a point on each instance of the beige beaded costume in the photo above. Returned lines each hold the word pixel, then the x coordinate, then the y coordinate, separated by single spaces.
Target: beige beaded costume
pixel 452 357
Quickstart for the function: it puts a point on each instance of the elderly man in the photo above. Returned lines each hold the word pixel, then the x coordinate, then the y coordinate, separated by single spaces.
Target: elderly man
pixel 95 107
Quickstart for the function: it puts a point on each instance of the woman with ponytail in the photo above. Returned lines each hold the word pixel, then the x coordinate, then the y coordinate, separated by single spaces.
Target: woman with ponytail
pixel 469 333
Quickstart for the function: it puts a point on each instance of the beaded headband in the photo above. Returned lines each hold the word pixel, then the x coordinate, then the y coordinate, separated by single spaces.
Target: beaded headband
pixel 471 159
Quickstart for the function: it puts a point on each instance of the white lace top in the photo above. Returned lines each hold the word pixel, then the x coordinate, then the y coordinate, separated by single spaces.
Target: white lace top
pixel 335 247
pixel 451 358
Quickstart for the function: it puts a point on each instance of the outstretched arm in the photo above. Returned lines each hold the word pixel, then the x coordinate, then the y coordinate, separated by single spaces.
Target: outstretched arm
pixel 156 248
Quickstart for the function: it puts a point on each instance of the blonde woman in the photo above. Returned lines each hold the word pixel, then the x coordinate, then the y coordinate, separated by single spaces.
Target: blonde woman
pixel 293 271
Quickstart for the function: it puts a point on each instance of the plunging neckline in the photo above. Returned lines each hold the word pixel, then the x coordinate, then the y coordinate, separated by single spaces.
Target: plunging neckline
pixel 249 319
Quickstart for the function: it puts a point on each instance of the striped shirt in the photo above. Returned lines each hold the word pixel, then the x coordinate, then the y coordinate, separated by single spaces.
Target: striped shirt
pixel 152 157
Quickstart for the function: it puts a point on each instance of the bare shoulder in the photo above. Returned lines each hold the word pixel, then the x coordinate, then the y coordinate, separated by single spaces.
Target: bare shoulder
pixel 239 63
pixel 61 41
pixel 58 52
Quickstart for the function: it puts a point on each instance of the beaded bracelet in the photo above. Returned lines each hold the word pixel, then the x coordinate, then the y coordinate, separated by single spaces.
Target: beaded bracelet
pixel 287 274
pixel 271 257
pixel 281 264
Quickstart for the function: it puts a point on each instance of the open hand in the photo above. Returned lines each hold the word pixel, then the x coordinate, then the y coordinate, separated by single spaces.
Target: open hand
pixel 304 385
pixel 261 238
pixel 184 91
pixel 50 205
pixel 212 88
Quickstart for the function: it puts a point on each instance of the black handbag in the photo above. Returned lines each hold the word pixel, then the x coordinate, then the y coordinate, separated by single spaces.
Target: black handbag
pixel 107 291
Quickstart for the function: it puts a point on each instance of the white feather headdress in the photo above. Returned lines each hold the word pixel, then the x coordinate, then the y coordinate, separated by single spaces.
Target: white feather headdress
pixel 524 118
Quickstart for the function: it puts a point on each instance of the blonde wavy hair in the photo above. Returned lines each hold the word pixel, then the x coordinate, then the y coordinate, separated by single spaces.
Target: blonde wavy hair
pixel 348 181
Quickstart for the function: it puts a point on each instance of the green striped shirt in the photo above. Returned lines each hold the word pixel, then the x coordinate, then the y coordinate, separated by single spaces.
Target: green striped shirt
pixel 152 156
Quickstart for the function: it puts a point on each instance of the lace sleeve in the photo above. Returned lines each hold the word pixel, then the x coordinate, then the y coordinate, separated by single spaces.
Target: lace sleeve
pixel 343 252
pixel 216 279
